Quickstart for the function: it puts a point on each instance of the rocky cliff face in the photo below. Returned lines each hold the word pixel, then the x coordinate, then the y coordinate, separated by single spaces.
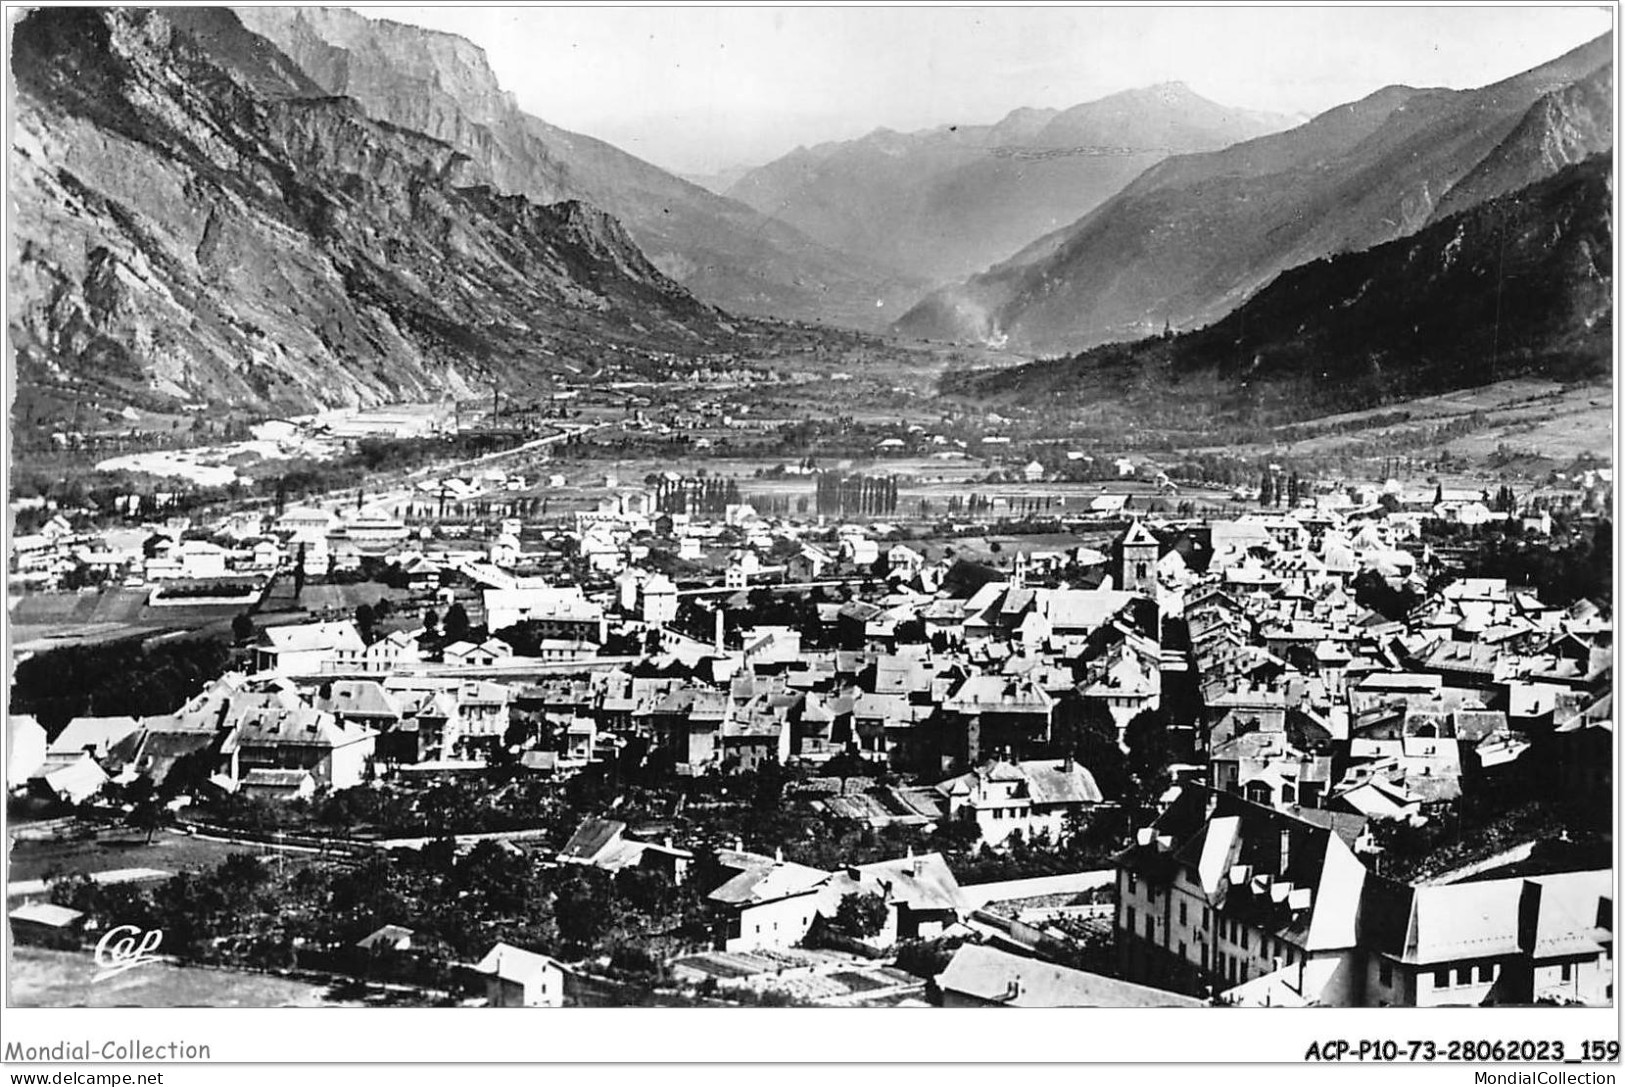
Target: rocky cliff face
pixel 196 221
pixel 1563 127
pixel 1196 235
pixel 721 250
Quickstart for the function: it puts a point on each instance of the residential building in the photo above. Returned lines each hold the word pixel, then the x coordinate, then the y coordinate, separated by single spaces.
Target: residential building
pixel 516 978
pixel 766 902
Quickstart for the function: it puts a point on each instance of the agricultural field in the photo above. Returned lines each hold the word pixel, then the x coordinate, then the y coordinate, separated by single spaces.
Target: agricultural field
pixel 1538 420
pixel 39 620
pixel 44 978
pixel 110 850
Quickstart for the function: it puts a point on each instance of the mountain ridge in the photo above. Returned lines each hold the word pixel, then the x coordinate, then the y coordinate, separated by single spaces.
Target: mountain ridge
pixel 1195 235
pixel 1520 284
pixel 182 238
pixel 721 250
pixel 941 202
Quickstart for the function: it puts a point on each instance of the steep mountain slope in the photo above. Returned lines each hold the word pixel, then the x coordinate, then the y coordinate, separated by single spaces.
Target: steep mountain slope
pixel 440 84
pixel 1519 285
pixel 944 202
pixel 1561 128
pixel 192 221
pixel 1195 235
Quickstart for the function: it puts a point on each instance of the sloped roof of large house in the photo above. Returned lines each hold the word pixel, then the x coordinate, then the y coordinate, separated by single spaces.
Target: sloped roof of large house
pixel 309 637
pixel 591 838
pixel 76 780
pixel 922 883
pixel 1477 920
pixel 360 698
pixel 998 694
pixel 551 602
pixel 1043 781
pixel 1274 869
pixel 892 708
pixel 987 973
pixel 760 879
pixel 898 674
pixel 1082 609
pixel 388 936
pixel 1470 657
pixel 97 734
pixel 515 964
pixel 1054 782
pixel 47 914
pixel 302 727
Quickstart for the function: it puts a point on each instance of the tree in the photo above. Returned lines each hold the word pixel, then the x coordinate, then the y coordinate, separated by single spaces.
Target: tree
pixel 1150 752
pixel 456 625
pixel 1087 732
pixel 859 915
pixel 299 574
pixel 431 623
pixel 242 628
pixel 365 620
pixel 146 810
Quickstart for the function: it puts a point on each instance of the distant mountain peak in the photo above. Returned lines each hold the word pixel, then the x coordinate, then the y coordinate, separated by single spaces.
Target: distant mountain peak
pixel 1195 235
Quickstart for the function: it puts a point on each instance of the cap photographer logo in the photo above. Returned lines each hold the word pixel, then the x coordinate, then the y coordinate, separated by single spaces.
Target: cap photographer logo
pixel 124 948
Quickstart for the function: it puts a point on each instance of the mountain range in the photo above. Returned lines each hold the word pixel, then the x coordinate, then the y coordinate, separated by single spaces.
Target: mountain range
pixel 945 202
pixel 1519 284
pixel 196 220
pixel 288 208
pixel 723 251
pixel 1196 235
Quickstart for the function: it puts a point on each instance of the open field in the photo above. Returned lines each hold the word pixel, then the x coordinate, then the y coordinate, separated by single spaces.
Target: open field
pixel 44 978
pixel 123 848
pixel 40 620
pixel 1540 418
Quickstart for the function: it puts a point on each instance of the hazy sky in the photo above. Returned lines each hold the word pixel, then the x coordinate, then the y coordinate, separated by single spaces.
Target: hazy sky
pixel 705 88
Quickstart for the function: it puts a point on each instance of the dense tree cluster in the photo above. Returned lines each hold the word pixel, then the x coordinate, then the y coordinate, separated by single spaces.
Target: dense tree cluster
pixel 115 678
pixel 842 495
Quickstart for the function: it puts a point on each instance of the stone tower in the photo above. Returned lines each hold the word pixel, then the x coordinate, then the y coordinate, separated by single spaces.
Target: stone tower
pixel 1137 561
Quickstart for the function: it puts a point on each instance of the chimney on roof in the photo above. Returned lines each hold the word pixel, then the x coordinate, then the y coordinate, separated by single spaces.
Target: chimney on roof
pixel 739 844
pixel 1286 847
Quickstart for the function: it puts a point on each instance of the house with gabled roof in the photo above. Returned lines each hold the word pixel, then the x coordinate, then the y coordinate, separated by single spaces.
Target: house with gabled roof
pixel 603 843
pixel 923 899
pixel 516 978
pixel 989 715
pixel 1218 891
pixel 765 902
pixel 1034 797
pixel 983 976
pixel 1522 940
pixel 275 738
pixel 306 649
pixel 26 748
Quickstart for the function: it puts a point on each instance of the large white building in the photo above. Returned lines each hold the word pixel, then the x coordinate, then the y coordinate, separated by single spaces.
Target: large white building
pixel 562 611
pixel 307 649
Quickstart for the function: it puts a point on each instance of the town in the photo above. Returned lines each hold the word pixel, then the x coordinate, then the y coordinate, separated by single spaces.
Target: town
pixel 625 698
